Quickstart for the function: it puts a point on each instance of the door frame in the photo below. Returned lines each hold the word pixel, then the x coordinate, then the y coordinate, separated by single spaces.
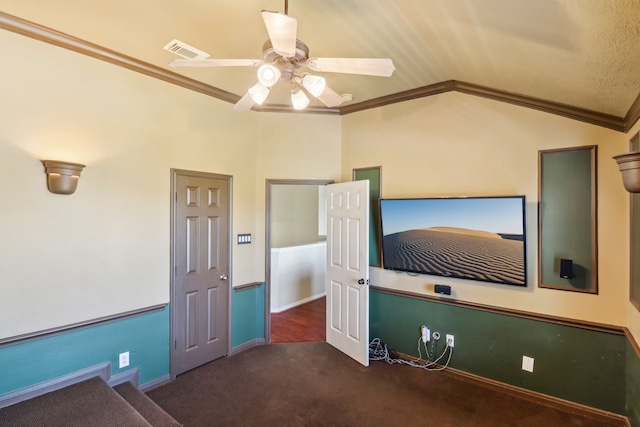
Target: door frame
pixel 172 252
pixel 267 243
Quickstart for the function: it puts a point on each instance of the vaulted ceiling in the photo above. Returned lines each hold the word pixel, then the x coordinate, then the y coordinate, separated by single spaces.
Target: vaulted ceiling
pixel 584 54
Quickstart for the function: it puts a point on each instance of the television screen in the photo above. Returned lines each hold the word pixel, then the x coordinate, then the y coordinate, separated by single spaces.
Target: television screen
pixel 474 238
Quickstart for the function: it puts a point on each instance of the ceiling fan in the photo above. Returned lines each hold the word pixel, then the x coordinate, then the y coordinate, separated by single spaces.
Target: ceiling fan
pixel 283 57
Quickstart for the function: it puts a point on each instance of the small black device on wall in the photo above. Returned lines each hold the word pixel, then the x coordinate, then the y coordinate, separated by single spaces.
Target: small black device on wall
pixel 566 269
pixel 443 289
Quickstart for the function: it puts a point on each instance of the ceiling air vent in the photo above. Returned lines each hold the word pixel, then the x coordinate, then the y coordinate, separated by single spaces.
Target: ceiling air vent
pixel 184 50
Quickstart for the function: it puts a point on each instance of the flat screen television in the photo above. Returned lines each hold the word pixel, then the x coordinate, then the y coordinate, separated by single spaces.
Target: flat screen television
pixel 474 238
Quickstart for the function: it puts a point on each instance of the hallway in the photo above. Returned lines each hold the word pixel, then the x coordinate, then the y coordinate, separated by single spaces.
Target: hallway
pixel 304 323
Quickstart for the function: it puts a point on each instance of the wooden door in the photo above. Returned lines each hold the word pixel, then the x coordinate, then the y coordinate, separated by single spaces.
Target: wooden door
pixel 201 245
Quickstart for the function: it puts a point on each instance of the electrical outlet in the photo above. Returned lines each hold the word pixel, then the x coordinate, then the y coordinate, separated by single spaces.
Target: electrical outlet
pixel 426 333
pixel 527 363
pixel 450 340
pixel 124 359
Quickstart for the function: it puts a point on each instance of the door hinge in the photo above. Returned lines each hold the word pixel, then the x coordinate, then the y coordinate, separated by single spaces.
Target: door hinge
pixel 175 345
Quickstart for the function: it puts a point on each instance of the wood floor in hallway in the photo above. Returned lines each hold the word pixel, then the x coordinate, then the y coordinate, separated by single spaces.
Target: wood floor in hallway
pixel 304 323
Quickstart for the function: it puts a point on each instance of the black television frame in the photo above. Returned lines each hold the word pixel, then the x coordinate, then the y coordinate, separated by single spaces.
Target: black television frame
pixel 506 266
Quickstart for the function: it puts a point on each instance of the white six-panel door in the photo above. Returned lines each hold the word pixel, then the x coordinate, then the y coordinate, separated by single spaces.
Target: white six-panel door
pixel 348 269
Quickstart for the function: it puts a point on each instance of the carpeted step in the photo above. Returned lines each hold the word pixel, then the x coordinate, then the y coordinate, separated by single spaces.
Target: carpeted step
pixel 87 403
pixel 150 410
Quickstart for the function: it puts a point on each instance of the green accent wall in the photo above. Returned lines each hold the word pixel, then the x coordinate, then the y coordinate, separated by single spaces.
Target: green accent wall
pixel 373 176
pixel 633 386
pixel 567 225
pixel 579 365
pixel 146 337
pixel 247 315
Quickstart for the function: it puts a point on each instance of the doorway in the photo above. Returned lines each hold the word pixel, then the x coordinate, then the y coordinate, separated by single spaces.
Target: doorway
pixel 200 266
pixel 295 260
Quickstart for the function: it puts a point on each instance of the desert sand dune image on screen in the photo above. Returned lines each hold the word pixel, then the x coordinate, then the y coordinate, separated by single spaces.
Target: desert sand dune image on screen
pixel 456 252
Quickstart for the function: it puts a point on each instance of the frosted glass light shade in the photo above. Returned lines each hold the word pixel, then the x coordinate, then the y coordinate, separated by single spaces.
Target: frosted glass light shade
pixel 268 75
pixel 314 84
pixel 259 93
pixel 299 100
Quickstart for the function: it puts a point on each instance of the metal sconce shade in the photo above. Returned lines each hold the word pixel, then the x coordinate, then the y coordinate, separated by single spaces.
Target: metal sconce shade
pixel 629 164
pixel 62 177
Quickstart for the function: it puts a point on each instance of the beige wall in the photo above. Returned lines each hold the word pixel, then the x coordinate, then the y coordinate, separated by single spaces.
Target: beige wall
pixel 105 249
pixel 294 215
pixel 459 145
pixel 633 315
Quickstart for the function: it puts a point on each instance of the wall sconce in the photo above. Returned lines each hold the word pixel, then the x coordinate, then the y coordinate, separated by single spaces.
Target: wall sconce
pixel 62 177
pixel 629 164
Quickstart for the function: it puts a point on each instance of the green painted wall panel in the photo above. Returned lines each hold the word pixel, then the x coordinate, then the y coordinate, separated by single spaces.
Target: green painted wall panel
pixel 633 386
pixel 565 211
pixel 247 312
pixel 373 176
pixel 146 337
pixel 579 365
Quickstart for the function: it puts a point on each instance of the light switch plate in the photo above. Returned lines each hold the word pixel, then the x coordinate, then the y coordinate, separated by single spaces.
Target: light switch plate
pixel 527 363
pixel 244 239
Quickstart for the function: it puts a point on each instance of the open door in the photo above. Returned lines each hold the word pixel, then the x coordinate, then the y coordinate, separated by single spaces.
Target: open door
pixel 348 269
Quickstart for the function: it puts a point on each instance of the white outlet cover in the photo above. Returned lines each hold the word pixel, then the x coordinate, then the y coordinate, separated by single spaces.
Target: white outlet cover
pixel 527 363
pixel 450 338
pixel 124 359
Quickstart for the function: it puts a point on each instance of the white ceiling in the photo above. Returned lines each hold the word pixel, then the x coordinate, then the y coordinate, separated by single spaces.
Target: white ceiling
pixel 584 53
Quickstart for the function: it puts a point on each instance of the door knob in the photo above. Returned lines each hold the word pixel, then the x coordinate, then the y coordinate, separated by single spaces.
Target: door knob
pixel 223 277
pixel 361 282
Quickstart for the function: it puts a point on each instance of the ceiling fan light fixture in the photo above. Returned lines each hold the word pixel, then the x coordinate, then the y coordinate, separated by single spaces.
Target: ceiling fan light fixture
pixel 298 99
pixel 314 84
pixel 259 93
pixel 268 75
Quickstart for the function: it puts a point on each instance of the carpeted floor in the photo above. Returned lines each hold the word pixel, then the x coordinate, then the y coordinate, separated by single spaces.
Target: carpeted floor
pixel 88 403
pixel 313 384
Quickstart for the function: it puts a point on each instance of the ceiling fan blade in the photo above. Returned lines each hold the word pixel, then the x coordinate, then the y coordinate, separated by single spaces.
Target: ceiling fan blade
pixel 178 63
pixel 330 98
pixel 282 31
pixel 382 67
pixel 245 103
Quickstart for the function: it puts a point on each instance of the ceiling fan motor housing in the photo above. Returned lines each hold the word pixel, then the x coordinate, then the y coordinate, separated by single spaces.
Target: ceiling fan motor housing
pixel 286 65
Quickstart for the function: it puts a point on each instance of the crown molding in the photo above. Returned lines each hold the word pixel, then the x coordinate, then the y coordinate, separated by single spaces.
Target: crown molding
pixel 278 108
pixel 47 35
pixel 568 111
pixel 395 98
pixel 633 115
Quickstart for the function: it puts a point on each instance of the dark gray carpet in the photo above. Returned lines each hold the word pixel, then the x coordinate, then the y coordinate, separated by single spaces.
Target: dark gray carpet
pixel 88 403
pixel 312 384
pixel 145 406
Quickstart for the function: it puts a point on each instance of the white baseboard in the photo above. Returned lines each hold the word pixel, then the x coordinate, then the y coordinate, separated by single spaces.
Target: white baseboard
pixel 150 385
pixel 246 346
pixel 132 376
pixel 297 303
